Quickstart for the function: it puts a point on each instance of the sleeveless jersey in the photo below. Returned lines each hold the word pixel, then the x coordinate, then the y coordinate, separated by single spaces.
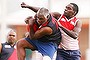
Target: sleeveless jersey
pixel 55 36
pixel 8 52
pixel 68 43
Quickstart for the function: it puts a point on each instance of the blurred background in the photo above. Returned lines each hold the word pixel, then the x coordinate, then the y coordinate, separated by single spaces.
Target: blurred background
pixel 12 16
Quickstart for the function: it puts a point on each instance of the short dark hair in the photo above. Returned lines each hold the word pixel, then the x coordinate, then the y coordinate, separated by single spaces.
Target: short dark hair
pixel 43 11
pixel 76 9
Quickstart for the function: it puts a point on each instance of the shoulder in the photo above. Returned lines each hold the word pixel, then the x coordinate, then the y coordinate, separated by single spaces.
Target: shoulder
pixel 79 23
pixel 78 26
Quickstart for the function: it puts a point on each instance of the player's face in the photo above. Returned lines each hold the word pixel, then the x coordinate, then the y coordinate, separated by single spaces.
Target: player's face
pixel 41 19
pixel 11 37
pixel 69 12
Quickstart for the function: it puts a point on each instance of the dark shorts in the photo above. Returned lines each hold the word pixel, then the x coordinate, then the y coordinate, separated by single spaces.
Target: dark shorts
pixel 46 49
pixel 68 54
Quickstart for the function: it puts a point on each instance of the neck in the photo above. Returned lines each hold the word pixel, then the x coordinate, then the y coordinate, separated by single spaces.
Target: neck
pixel 12 44
pixel 69 17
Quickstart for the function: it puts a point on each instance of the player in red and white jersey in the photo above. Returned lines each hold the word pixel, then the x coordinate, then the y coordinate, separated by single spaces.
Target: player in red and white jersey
pixel 70 27
pixel 68 42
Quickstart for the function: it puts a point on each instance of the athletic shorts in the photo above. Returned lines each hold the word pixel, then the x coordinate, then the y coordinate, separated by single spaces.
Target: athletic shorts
pixel 68 54
pixel 45 48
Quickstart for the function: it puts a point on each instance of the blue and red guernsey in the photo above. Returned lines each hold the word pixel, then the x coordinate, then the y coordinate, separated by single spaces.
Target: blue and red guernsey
pixel 8 52
pixel 52 23
pixel 56 35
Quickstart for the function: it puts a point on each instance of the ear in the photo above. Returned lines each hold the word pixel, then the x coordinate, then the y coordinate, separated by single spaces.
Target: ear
pixel 74 13
pixel 48 16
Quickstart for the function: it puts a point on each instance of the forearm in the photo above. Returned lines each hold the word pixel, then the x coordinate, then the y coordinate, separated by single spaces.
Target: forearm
pixel 70 33
pixel 35 9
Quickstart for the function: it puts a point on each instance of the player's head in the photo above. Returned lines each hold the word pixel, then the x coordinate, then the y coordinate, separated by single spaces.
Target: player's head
pixel 75 7
pixel 71 10
pixel 11 37
pixel 42 15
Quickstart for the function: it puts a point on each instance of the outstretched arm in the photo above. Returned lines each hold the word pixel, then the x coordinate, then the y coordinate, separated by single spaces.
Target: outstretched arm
pixel 35 9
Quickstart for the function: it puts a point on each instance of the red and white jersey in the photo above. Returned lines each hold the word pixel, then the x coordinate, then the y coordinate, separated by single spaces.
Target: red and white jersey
pixel 68 43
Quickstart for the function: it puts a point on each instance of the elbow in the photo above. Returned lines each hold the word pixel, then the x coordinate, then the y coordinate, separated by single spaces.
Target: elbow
pixel 75 36
pixel 32 38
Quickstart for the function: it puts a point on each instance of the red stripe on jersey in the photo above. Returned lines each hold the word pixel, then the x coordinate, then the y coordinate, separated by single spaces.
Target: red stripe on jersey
pixel 13 56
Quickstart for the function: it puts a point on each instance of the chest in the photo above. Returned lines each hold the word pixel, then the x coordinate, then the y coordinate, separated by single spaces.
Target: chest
pixel 69 24
pixel 7 49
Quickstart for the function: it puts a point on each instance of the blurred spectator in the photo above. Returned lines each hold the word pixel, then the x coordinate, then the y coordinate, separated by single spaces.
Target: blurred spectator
pixel 8 49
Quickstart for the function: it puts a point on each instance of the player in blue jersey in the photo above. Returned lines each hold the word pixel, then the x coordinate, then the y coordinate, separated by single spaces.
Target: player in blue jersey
pixel 44 35
pixel 8 49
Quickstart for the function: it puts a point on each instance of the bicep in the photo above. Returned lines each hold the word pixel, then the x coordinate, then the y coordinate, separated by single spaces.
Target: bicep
pixel 42 32
pixel 56 15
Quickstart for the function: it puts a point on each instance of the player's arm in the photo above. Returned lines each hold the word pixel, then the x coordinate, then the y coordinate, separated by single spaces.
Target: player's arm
pixel 75 32
pixel 56 15
pixel 40 33
pixel 35 9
